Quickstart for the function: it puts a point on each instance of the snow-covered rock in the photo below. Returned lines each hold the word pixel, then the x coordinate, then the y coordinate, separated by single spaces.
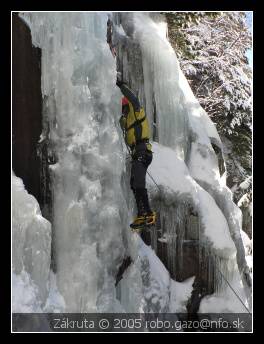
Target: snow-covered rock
pixel 31 245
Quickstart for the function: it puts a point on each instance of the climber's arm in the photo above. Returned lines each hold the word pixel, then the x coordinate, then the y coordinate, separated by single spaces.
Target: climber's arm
pixel 130 96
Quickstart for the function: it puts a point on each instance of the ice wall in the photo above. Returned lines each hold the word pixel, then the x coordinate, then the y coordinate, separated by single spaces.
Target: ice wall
pixel 161 85
pixel 82 105
pixel 145 286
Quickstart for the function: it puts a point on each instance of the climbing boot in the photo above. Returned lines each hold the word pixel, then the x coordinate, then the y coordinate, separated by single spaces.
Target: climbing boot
pixel 139 222
pixel 150 219
pixel 141 196
pixel 143 221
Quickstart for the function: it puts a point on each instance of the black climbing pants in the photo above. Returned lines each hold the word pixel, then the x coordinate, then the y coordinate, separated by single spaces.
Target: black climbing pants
pixel 141 159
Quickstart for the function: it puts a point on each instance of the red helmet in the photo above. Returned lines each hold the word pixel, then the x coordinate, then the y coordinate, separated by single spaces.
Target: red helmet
pixel 124 101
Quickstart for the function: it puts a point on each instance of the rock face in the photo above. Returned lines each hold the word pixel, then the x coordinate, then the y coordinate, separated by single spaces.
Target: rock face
pixel 32 149
pixel 27 107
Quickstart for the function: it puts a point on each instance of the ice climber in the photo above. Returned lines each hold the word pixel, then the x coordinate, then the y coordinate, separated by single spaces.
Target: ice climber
pixel 135 127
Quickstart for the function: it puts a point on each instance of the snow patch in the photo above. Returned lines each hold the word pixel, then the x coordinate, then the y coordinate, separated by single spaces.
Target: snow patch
pixel 180 293
pixel 172 176
pixel 31 239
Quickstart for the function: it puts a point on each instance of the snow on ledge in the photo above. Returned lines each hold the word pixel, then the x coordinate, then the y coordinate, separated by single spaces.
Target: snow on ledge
pixel 173 178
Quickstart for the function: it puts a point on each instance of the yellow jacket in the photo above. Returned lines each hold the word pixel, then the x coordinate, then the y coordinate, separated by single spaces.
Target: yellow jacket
pixel 135 124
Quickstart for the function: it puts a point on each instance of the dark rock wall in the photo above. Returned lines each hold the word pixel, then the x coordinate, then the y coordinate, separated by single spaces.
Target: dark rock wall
pixel 31 157
pixel 26 107
pixel 183 253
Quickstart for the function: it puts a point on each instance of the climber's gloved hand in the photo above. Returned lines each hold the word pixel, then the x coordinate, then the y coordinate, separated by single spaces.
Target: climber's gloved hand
pixel 119 79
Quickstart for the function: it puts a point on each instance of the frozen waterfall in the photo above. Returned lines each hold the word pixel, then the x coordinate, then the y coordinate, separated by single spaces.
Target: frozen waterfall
pixel 92 200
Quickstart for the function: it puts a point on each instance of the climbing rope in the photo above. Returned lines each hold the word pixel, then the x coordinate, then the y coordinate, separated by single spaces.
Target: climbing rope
pixel 154 181
pixel 228 283
pixel 230 286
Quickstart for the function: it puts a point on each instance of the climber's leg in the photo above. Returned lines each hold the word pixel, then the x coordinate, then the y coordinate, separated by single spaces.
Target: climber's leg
pixel 138 184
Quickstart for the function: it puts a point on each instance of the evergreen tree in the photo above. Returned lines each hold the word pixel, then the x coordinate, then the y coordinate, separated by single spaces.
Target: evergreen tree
pixel 211 48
